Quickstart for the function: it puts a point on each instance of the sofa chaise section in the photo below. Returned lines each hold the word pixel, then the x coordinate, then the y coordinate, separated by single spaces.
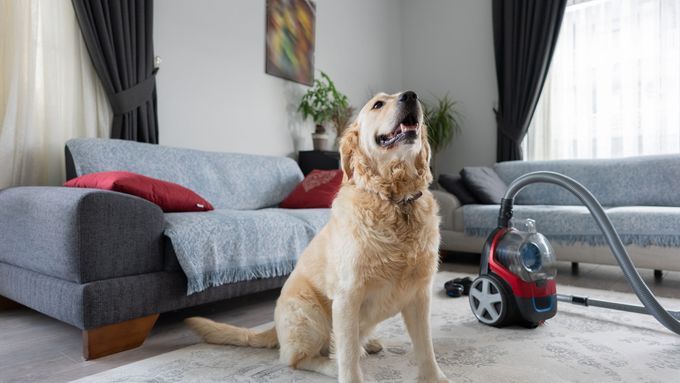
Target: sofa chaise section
pixel 62 247
pixel 103 262
pixel 96 260
pixel 638 193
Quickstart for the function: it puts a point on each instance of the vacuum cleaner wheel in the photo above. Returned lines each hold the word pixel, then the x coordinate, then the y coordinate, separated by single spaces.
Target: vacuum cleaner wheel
pixel 489 300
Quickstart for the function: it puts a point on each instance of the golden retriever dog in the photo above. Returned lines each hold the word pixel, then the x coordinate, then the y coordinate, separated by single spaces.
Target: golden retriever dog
pixel 375 258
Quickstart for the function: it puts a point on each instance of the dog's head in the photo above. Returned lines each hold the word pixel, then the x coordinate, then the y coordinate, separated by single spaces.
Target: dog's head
pixel 386 148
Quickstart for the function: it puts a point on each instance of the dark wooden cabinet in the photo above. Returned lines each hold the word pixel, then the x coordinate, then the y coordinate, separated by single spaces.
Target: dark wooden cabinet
pixel 318 159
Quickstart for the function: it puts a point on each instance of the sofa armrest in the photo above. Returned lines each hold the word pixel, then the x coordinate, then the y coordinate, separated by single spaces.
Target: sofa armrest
pixel 448 203
pixel 80 235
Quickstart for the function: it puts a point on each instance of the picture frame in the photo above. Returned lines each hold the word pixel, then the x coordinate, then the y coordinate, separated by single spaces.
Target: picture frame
pixel 290 40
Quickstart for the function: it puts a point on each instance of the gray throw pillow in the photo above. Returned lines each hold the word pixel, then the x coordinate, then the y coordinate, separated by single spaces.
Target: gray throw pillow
pixel 484 184
pixel 453 184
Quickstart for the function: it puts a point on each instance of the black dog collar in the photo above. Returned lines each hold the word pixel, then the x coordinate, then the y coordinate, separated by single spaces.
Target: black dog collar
pixel 411 198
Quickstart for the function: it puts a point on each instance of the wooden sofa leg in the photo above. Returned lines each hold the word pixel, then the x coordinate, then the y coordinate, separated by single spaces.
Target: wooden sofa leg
pixel 116 337
pixel 7 304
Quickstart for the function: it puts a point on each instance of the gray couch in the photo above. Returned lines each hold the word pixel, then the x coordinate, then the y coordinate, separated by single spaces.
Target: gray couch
pixel 109 263
pixel 640 194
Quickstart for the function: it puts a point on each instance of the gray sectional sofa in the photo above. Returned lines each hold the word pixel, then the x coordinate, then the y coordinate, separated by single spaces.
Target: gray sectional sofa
pixel 640 194
pixel 109 263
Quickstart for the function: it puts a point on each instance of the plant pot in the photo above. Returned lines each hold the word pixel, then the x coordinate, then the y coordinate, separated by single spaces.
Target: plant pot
pixel 322 141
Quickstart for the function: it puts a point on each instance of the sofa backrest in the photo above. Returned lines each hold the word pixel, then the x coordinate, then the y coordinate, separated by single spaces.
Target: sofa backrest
pixel 226 180
pixel 632 181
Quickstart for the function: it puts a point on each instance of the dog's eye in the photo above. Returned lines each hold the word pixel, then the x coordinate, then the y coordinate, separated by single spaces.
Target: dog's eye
pixel 378 105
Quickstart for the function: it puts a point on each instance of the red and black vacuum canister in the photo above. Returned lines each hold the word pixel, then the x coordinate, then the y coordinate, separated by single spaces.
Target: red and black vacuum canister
pixel 516 282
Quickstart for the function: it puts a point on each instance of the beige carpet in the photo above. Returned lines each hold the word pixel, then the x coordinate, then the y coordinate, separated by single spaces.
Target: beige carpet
pixel 578 345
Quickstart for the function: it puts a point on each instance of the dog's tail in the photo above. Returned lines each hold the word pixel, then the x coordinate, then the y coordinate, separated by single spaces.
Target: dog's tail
pixel 222 333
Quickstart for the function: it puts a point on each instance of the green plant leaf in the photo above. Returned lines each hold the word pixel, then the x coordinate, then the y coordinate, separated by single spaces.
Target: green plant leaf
pixel 323 101
pixel 443 122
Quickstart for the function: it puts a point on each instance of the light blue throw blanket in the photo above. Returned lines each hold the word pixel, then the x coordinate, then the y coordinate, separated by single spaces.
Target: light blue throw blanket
pixel 226 246
pixel 567 225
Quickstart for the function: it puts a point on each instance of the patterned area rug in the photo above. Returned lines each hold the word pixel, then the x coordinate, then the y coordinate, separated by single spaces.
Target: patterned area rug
pixel 578 345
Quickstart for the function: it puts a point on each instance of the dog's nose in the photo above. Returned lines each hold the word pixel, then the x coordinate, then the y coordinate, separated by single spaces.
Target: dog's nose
pixel 409 95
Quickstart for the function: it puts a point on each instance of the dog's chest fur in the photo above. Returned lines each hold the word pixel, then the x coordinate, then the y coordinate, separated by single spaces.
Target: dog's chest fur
pixel 396 250
pixel 395 235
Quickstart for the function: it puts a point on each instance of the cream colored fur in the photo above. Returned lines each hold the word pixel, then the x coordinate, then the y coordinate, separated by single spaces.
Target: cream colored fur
pixel 374 259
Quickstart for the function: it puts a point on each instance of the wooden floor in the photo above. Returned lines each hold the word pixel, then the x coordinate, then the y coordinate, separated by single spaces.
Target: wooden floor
pixel 36 348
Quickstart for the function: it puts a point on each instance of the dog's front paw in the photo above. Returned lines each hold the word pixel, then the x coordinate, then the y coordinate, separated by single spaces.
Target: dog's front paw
pixel 441 379
pixel 348 377
pixel 438 377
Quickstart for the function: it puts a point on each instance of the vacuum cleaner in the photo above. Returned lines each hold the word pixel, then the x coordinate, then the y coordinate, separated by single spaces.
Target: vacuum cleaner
pixel 516 282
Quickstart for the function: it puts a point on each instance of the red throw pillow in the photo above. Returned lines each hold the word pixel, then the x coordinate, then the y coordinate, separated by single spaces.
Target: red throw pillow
pixel 169 196
pixel 317 190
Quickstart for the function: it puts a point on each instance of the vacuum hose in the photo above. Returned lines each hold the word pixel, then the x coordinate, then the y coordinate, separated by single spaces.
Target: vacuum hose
pixel 670 319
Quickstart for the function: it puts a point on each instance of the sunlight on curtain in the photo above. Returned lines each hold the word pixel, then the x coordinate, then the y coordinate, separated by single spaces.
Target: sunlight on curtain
pixel 614 84
pixel 49 91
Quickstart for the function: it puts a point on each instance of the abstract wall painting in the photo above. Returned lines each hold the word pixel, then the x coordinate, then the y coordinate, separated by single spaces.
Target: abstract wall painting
pixel 290 39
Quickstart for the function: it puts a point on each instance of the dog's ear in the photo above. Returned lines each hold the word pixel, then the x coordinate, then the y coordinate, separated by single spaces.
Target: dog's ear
pixel 348 146
pixel 423 160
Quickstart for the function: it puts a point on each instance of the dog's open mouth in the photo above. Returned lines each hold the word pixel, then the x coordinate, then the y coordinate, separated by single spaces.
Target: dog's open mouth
pixel 406 130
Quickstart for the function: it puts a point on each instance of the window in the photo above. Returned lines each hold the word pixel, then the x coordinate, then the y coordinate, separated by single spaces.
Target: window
pixel 49 91
pixel 614 85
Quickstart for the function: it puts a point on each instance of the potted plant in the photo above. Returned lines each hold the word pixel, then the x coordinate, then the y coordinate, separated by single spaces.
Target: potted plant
pixel 443 122
pixel 324 104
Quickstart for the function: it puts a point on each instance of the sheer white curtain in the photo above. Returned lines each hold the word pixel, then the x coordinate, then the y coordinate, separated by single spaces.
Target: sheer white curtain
pixel 614 84
pixel 49 91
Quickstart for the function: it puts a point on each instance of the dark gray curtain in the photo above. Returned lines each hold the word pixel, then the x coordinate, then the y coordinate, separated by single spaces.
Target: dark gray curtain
pixel 525 34
pixel 119 37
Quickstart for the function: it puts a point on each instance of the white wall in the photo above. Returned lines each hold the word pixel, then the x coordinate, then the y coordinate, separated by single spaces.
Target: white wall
pixel 213 92
pixel 448 47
